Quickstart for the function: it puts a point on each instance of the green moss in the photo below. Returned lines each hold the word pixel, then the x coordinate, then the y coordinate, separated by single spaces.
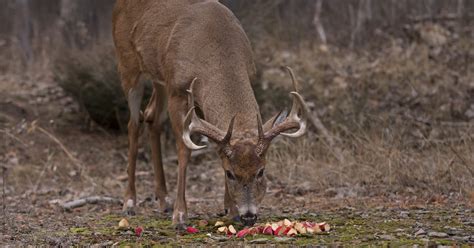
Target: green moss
pixel 80 230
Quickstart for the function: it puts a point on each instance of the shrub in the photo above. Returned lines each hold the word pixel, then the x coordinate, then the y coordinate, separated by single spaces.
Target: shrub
pixel 92 79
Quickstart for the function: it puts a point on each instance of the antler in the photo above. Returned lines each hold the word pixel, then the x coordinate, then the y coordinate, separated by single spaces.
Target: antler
pixel 194 124
pixel 292 121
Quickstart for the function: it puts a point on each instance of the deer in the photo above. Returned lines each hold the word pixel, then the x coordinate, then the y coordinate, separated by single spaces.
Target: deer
pixel 201 64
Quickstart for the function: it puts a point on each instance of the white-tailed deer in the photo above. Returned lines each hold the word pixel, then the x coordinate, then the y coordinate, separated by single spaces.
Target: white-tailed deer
pixel 199 57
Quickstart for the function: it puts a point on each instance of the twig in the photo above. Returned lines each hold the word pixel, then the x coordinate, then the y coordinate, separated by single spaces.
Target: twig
pixel 43 171
pixel 13 137
pixel 57 141
pixel 63 147
pixel 89 200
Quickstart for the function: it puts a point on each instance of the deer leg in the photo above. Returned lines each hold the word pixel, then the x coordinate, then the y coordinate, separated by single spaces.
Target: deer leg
pixel 135 94
pixel 177 111
pixel 153 116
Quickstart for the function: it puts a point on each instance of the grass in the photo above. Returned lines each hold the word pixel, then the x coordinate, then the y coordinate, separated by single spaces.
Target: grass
pixel 399 114
pixel 347 226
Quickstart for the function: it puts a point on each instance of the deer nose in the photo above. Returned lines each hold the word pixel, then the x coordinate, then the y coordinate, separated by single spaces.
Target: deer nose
pixel 248 219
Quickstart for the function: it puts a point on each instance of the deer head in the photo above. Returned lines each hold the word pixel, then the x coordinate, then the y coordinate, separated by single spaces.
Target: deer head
pixel 243 159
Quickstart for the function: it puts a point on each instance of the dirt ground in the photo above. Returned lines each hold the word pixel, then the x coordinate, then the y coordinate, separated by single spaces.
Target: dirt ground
pixel 48 159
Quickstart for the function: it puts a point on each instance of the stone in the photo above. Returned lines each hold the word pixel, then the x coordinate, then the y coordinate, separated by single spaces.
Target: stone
pixel 386 237
pixel 420 232
pixel 438 234
pixel 259 241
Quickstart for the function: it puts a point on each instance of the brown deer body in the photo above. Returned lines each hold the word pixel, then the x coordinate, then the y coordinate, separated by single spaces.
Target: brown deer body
pixel 200 46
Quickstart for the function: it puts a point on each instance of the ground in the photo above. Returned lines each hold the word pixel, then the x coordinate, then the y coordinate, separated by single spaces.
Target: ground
pixel 49 160
pixel 398 172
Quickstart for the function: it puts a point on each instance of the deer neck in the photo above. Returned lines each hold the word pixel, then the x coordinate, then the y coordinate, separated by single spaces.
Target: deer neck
pixel 222 97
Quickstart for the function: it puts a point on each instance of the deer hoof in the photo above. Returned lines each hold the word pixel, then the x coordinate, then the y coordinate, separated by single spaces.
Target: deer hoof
pixel 179 219
pixel 165 205
pixel 129 208
pixel 180 227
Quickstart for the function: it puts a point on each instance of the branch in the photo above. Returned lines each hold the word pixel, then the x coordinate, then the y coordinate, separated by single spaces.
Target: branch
pixel 57 141
pixel 317 22
pixel 89 200
pixel 447 17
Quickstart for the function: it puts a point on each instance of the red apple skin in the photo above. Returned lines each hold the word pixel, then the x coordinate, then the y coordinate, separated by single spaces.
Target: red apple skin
pixel 253 231
pixel 278 230
pixel 191 230
pixel 260 229
pixel 309 224
pixel 287 229
pixel 268 230
pixel 138 231
pixel 242 233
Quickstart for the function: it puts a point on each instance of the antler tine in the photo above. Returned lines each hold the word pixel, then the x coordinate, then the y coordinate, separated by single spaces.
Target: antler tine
pixel 190 120
pixel 291 121
pixel 194 124
pixel 188 126
pixel 191 92
pixel 228 135
pixel 293 78
pixel 298 104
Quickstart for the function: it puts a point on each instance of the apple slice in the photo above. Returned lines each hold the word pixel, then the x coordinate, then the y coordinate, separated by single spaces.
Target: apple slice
pixel 287 223
pixel 308 224
pixel 268 230
pixel 192 230
pixel 324 227
pixel 123 224
pixel 242 233
pixel 291 232
pixel 279 231
pixel 275 226
pixel 259 229
pixel 232 229
pixel 139 231
pixel 222 229
pixel 300 228
pixel 219 223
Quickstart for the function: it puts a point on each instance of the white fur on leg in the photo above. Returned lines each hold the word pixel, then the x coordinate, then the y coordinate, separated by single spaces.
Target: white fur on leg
pixel 130 203
pixel 135 96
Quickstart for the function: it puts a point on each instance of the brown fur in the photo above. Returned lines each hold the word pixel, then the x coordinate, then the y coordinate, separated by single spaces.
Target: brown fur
pixel 175 41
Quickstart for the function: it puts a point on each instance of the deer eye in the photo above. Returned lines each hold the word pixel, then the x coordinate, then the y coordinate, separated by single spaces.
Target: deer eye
pixel 229 175
pixel 260 173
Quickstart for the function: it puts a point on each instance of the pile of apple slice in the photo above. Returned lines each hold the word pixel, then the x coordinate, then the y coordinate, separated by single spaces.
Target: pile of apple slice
pixel 280 228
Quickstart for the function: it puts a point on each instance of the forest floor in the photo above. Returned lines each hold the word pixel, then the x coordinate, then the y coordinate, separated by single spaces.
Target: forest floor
pixel 404 175
pixel 39 176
